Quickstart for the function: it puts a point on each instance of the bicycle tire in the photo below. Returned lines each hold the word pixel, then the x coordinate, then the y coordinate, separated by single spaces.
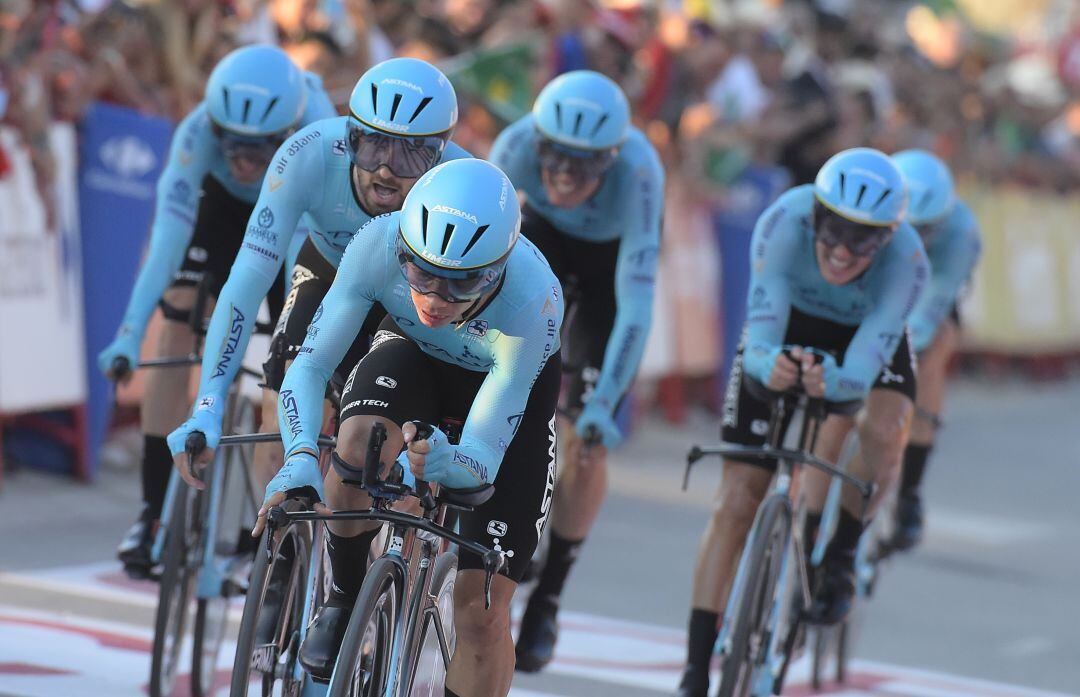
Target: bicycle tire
pixel 772 525
pixel 818 658
pixel 293 549
pixel 435 644
pixel 842 653
pixel 363 665
pixel 175 592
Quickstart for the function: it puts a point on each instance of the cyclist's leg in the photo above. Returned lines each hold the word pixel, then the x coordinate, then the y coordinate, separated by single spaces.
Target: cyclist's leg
pixel 742 488
pixel 513 520
pixel 390 385
pixel 933 365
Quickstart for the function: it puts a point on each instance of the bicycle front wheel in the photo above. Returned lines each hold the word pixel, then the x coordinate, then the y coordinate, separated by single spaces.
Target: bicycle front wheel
pixel 363 667
pixel 747 642
pixel 176 590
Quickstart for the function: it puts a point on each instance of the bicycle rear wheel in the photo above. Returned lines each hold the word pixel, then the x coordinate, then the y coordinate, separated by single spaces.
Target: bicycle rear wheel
pixel 747 640
pixel 285 572
pixel 176 589
pixel 363 667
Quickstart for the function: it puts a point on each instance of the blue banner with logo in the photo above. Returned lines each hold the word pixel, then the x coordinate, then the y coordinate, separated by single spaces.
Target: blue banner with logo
pixel 746 199
pixel 121 154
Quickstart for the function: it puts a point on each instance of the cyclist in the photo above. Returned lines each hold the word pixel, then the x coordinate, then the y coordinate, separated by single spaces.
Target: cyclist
pixel 330 178
pixel 833 267
pixel 953 244
pixel 255 98
pixel 593 188
pixel 471 334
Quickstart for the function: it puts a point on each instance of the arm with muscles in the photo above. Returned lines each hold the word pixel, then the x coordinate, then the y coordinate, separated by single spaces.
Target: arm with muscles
pixel 494 417
pixel 948 277
pixel 300 403
pixel 174 221
pixel 266 244
pixel 875 342
pixel 774 252
pixel 635 285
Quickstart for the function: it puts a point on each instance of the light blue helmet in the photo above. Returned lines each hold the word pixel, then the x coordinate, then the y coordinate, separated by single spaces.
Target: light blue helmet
pixel 930 186
pixel 255 91
pixel 405 96
pixel 461 218
pixel 862 185
pixel 583 109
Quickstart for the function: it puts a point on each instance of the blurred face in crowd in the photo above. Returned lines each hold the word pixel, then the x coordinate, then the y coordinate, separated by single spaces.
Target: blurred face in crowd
pixel 467 16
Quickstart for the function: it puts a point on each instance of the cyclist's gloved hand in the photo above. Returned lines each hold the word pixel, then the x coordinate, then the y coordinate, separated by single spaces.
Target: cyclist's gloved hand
pixel 125 345
pixel 834 390
pixel 598 414
pixel 205 419
pixel 300 477
pixel 431 459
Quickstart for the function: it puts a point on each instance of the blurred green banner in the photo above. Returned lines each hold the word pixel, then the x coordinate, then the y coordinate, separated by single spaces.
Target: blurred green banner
pixel 501 78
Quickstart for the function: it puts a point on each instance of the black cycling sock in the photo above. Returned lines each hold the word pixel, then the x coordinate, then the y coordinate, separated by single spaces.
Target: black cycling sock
pixel 848 531
pixel 704 628
pixel 915 457
pixel 348 563
pixel 561 556
pixel 157 465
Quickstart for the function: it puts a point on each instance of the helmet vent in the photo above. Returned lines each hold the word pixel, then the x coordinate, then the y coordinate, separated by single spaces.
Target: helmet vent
pixel 577 123
pixel 225 97
pixel 475 238
pixel 446 237
pixel 881 199
pixel 268 108
pixel 924 201
pixel 247 108
pixel 395 105
pixel 420 107
pixel 423 222
pixel 374 98
pixel 599 125
pixel 862 192
pixel 843 180
pixel 558 115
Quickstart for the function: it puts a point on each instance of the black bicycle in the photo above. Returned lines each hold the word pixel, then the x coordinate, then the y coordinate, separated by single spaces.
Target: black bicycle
pixel 766 608
pixel 400 636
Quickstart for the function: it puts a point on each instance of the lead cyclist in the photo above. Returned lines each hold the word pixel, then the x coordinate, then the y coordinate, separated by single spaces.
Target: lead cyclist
pixel 593 187
pixel 950 233
pixel 256 97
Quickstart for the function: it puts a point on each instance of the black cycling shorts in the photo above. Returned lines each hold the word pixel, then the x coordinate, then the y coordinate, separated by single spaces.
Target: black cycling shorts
pixel 312 275
pixel 400 382
pixel 746 419
pixel 220 224
pixel 586 271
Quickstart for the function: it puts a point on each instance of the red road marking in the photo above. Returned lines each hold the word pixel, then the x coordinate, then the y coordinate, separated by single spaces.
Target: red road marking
pixel 106 639
pixel 27 669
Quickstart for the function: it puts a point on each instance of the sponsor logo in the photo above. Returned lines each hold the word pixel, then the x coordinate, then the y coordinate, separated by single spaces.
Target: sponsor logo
pixel 888 376
pixel 312 331
pixel 622 358
pixel 232 341
pixel 399 290
pixel 477 327
pixel 401 83
pixel 352 377
pixel 181 192
pixel 515 420
pixel 503 195
pixel 503 445
pixel 390 126
pixel 548 308
pixel 441 261
pixel 273 183
pixel 338 147
pixel 758 300
pixel 852 385
pixel 439 208
pixel 383 381
pixel 205 403
pixel 365 403
pixel 645 257
pixel 291 412
pixel 262 251
pixel 263 658
pixel 475 467
pixel 198 254
pixel 759 427
pixel 128 156
pixel 318 314
pixel 497 528
pixel 381 337
pixel 266 217
pixel 549 488
pixel 295 147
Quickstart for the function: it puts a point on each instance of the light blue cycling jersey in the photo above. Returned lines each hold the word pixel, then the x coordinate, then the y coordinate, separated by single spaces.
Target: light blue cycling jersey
pixel 308 184
pixel 953 252
pixel 193 154
pixel 627 207
pixel 784 273
pixel 511 340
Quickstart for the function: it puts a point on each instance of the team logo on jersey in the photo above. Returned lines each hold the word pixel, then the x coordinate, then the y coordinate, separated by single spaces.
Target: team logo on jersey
pixel 318 313
pixel 197 254
pixel 266 217
pixel 383 381
pixel 477 327
pixel 338 148
pixel 497 528
pixel 274 183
